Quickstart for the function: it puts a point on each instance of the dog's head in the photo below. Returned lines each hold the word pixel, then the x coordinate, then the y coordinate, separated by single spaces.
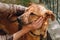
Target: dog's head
pixel 35 11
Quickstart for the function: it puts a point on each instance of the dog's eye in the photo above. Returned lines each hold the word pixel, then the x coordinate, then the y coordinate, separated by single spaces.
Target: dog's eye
pixel 47 14
pixel 32 14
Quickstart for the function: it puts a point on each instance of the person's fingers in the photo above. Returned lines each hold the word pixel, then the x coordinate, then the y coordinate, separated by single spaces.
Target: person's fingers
pixel 39 24
pixel 41 21
pixel 38 20
pixel 35 22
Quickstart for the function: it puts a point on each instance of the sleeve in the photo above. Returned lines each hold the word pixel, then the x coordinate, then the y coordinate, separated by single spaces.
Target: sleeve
pixel 7 8
pixel 11 8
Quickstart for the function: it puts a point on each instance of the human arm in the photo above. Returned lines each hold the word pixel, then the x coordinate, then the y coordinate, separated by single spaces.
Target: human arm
pixel 26 29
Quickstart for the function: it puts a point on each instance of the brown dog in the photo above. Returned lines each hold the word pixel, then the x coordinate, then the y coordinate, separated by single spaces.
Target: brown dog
pixel 31 14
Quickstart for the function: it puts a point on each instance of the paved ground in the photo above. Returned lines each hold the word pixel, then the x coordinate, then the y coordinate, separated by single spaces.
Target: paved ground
pixel 54 29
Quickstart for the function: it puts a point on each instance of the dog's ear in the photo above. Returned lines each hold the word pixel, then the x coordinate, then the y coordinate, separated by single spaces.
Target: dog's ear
pixel 51 15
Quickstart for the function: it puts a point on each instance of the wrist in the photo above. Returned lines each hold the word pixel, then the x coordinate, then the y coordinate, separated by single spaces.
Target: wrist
pixel 29 27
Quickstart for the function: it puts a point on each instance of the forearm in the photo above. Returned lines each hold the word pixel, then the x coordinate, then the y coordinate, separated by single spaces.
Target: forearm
pixel 20 33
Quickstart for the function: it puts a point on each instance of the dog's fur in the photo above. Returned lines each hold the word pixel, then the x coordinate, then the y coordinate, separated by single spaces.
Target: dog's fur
pixel 31 14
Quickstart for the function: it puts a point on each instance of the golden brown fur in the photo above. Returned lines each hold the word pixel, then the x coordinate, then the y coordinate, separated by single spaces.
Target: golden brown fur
pixel 31 14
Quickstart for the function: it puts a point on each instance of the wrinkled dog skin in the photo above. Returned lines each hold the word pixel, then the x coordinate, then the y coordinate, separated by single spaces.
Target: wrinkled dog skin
pixel 31 14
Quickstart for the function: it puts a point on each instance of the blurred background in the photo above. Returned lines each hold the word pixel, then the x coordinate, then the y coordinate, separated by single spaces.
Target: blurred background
pixel 54 5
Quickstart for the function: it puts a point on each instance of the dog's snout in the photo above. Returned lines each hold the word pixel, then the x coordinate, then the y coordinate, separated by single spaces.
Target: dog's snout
pixel 19 19
pixel 23 19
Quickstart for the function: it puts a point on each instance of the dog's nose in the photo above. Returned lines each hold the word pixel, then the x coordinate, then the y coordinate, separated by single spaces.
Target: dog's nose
pixel 20 21
pixel 19 18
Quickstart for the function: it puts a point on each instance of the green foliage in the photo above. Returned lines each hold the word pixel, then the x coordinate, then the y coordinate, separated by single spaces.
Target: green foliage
pixel 25 2
pixel 22 2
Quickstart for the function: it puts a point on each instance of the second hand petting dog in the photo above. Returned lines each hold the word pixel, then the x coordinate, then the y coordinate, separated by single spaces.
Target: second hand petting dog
pixel 25 23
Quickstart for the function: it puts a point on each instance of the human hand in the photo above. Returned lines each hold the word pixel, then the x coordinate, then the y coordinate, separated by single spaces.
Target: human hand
pixel 37 24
